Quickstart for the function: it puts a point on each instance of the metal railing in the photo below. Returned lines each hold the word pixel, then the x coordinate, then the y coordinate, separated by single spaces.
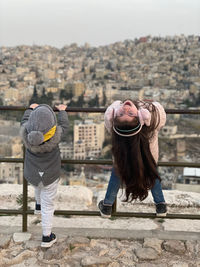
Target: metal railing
pixel 25 212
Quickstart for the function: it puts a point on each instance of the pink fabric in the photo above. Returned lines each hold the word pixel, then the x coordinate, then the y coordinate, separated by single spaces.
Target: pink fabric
pixel 145 117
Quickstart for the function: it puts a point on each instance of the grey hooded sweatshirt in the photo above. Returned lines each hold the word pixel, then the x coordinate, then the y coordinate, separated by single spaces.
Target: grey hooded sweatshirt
pixel 42 161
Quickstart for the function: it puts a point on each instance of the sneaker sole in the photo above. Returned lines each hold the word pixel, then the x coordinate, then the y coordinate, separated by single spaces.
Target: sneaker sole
pixel 48 244
pixel 104 215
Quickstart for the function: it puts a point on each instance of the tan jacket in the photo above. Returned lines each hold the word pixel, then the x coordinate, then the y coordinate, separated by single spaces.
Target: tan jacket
pixel 108 119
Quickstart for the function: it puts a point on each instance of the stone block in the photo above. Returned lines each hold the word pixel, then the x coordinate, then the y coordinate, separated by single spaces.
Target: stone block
pixel 174 246
pixel 21 237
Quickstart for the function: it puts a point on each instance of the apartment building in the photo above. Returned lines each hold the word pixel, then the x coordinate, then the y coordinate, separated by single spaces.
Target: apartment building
pixel 79 149
pixel 93 136
pixel 66 150
pixel 11 173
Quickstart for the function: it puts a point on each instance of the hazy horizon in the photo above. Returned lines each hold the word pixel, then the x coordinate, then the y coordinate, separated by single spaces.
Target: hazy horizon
pixel 63 22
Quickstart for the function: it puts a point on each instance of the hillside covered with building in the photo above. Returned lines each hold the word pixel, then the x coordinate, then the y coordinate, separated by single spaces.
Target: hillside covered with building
pixel 166 69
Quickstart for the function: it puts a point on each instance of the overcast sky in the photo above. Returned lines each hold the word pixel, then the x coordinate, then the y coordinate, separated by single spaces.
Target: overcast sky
pixel 97 22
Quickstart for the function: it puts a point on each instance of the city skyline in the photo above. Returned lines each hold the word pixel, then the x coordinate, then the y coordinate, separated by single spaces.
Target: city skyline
pixel 62 22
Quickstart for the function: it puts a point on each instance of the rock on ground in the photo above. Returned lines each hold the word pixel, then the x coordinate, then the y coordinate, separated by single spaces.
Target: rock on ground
pixel 80 251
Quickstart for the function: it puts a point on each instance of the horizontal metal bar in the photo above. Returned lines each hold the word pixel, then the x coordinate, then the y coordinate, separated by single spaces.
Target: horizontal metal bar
pixel 100 110
pixel 117 214
pixel 109 162
pixel 88 161
pixel 178 164
pixel 153 215
pixel 182 111
pixel 12 160
pixel 128 214
pixel 69 109
pixel 11 212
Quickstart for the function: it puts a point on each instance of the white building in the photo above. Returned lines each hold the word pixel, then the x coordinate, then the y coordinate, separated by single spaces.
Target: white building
pixel 191 180
pixel 93 136
pixel 11 173
pixel 66 150
pixel 191 175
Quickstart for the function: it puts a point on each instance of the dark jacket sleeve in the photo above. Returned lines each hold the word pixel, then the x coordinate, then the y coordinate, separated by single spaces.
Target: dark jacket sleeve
pixel 26 116
pixel 63 121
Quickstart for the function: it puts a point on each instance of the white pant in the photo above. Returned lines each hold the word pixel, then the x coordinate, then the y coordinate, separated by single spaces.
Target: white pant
pixel 45 195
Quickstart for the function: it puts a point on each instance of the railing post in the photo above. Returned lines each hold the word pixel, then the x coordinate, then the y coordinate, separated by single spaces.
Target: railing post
pixel 24 208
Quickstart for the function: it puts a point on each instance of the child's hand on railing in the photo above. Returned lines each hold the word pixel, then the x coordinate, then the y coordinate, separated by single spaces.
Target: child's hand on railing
pixel 34 105
pixel 61 107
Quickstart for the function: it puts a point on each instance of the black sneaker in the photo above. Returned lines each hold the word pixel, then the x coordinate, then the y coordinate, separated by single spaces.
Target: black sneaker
pixel 37 210
pixel 48 241
pixel 105 210
pixel 161 209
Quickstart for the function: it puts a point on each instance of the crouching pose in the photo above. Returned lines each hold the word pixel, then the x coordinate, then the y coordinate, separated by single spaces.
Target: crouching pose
pixel 41 135
pixel 134 127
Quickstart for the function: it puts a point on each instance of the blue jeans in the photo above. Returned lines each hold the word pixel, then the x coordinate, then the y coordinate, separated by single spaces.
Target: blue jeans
pixel 114 185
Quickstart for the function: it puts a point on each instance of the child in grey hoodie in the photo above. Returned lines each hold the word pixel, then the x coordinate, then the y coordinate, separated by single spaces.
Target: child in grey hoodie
pixel 41 135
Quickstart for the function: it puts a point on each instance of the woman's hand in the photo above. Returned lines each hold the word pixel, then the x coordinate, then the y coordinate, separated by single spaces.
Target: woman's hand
pixel 34 105
pixel 61 107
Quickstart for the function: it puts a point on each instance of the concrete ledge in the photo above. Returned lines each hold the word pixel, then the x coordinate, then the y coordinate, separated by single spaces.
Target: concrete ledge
pixel 128 234
pixel 108 233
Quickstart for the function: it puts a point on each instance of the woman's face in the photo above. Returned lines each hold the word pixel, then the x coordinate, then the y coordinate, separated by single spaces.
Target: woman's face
pixel 127 112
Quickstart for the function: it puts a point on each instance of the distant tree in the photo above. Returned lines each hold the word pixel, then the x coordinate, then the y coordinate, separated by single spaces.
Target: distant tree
pixel 80 101
pixel 44 99
pixel 66 94
pixel 62 94
pixel 68 167
pixel 94 102
pixel 104 101
pixel 1 102
pixel 34 97
pixel 91 103
pixel 72 104
pixel 50 98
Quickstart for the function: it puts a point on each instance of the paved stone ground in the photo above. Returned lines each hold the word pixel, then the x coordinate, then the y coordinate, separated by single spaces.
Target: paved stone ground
pixel 98 242
pixel 23 249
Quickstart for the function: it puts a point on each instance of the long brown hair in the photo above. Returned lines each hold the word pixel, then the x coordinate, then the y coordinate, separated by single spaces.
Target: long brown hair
pixel 133 160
